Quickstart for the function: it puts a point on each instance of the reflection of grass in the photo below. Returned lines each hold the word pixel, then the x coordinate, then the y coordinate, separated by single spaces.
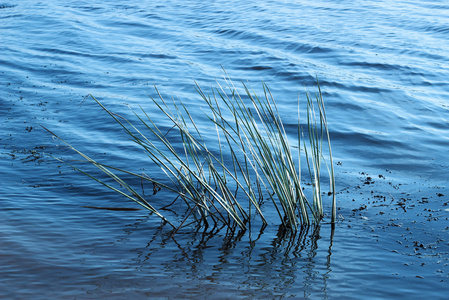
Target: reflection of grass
pixel 253 162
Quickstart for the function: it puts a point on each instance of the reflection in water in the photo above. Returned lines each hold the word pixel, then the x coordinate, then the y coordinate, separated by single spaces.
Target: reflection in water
pixel 383 69
pixel 268 263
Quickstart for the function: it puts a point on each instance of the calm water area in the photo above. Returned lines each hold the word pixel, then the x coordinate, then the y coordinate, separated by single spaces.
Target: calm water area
pixel 383 67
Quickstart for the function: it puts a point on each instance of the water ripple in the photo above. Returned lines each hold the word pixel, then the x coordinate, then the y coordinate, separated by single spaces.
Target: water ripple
pixel 383 69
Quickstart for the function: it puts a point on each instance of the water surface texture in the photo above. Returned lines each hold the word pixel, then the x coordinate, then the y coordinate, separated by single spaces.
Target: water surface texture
pixel 383 67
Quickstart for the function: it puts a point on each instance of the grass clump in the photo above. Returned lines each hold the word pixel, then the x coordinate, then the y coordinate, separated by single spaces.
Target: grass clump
pixel 253 163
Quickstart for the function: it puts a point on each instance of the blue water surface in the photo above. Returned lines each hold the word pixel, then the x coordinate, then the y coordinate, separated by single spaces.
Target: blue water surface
pixel 382 66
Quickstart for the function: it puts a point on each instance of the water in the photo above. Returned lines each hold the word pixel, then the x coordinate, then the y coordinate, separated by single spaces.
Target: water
pixel 383 67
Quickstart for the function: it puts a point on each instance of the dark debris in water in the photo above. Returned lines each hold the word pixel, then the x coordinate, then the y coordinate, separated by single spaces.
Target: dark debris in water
pixel 3 6
pixel 412 214
pixel 113 208
pixel 28 155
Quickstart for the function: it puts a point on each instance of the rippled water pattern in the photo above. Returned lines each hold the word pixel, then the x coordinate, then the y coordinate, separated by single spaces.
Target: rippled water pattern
pixel 383 67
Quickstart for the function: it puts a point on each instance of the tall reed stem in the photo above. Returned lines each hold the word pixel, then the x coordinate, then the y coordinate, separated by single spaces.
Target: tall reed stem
pixel 253 163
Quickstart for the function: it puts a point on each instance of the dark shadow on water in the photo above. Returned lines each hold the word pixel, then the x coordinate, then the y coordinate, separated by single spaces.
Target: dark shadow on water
pixel 263 264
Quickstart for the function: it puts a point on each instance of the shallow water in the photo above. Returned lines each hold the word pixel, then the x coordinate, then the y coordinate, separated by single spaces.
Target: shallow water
pixel 383 68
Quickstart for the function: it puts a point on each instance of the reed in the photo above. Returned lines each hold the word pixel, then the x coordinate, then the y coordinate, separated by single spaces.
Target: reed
pixel 253 164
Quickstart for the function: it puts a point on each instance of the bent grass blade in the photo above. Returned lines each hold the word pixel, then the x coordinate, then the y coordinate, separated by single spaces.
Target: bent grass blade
pixel 253 137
